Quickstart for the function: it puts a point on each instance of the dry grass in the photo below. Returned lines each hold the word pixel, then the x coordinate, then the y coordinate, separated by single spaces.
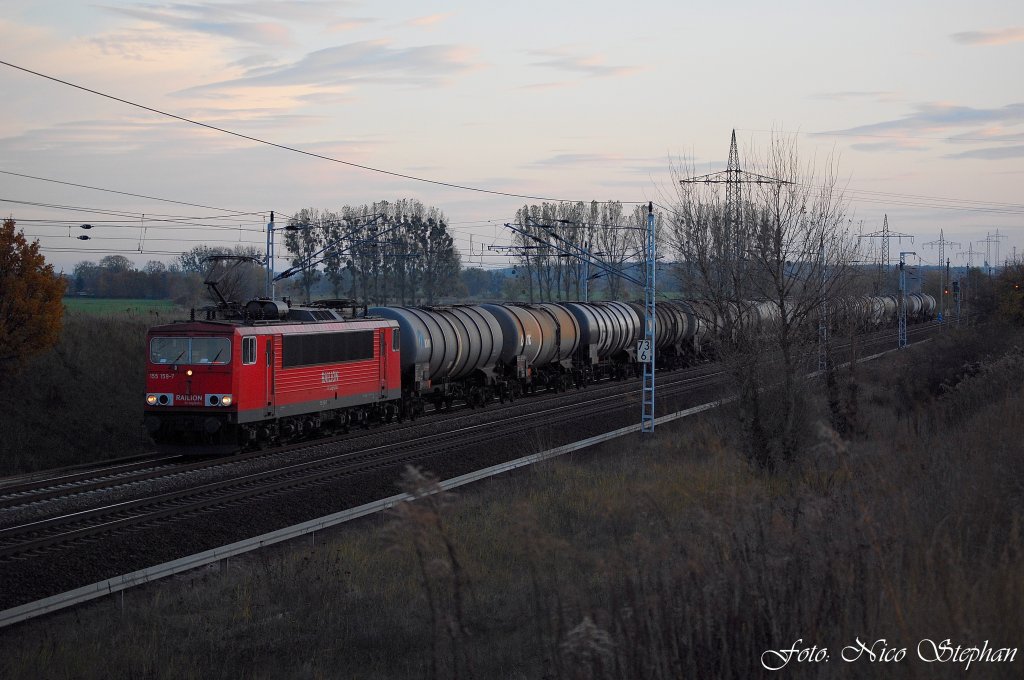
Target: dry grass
pixel 661 558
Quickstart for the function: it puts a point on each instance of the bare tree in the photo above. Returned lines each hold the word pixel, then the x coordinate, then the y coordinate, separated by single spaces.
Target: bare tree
pixel 611 241
pixel 304 238
pixel 767 270
pixel 238 281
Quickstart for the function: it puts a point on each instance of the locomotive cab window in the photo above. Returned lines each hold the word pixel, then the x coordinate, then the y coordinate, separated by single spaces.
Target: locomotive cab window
pixel 249 350
pixel 179 350
pixel 394 340
pixel 168 350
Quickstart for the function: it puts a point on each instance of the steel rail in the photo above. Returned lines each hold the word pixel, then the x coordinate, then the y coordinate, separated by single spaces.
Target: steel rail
pixel 220 554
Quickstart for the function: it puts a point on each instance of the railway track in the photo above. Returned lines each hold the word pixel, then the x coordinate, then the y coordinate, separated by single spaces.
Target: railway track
pixel 62 484
pixel 32 538
pixel 38 537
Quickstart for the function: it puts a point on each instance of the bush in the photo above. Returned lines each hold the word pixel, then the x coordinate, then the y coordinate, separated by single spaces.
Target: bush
pixel 82 400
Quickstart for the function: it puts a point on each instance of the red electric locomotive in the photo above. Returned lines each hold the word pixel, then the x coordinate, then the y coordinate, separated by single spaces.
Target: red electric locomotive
pixel 225 385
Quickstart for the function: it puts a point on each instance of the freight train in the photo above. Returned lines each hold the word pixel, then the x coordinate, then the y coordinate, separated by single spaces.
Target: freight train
pixel 271 372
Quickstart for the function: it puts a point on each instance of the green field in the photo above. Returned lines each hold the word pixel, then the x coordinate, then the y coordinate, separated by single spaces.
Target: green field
pixel 165 308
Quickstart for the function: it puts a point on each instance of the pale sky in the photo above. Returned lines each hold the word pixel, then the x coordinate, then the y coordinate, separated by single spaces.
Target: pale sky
pixel 923 101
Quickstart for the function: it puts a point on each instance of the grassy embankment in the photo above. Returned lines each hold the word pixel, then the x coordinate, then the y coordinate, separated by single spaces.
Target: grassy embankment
pixel 82 400
pixel 661 558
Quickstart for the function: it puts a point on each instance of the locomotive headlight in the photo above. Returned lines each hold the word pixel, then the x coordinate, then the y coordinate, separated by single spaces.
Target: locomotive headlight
pixel 225 400
pixel 151 399
pixel 188 372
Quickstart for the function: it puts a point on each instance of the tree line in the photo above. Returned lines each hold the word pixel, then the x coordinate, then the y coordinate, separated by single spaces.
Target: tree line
pixel 385 252
pixel 550 237
pixel 115 276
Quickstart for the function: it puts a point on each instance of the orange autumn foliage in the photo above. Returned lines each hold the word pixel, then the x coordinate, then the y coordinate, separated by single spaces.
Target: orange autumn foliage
pixel 30 298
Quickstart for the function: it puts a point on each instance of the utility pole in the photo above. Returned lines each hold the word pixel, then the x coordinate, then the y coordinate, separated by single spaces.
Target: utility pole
pixel 942 243
pixel 270 257
pixel 645 346
pixel 956 295
pixel 989 240
pixel 650 323
pixel 822 312
pixel 971 252
pixel 734 234
pixel 883 263
pixel 948 277
pixel 586 272
pixel 961 294
pixel 902 340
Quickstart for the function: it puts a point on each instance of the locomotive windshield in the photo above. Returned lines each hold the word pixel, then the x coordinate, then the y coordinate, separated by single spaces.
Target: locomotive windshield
pixel 179 350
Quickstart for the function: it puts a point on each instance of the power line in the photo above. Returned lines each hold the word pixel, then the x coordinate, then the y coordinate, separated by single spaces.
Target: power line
pixel 933 198
pixel 120 224
pixel 123 193
pixel 285 147
pixel 864 134
pixel 157 217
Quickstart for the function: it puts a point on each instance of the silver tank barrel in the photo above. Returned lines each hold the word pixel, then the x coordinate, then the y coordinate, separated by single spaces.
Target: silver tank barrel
pixel 597 327
pixel 627 324
pixel 481 335
pixel 520 331
pixel 452 341
pixel 425 339
pixel 559 332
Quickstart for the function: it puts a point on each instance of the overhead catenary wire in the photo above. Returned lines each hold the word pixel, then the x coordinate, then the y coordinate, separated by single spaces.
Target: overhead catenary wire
pixel 887 198
pixel 851 133
pixel 123 193
pixel 285 147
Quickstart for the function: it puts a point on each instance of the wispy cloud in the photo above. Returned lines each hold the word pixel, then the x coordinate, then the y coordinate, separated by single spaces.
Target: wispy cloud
pixel 631 165
pixel 931 122
pixel 940 116
pixel 592 65
pixel 890 145
pixel 429 20
pixel 853 95
pixel 1003 36
pixel 221 20
pixel 555 85
pixel 568 159
pixel 344 66
pixel 349 24
pixel 257 21
pixel 991 154
pixel 142 45
pixel 992 133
